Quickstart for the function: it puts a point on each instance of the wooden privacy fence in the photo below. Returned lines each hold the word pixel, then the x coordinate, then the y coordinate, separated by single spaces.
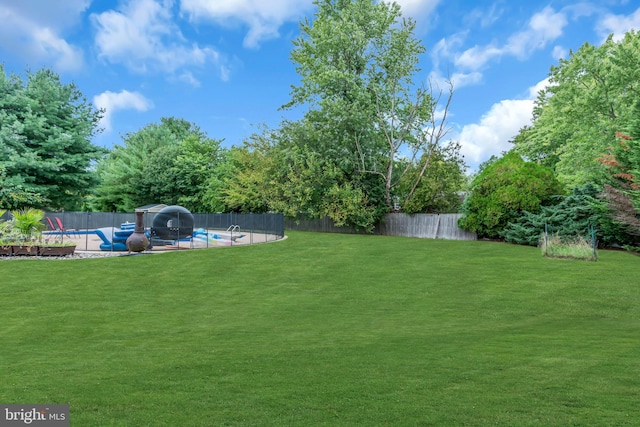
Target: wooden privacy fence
pixel 431 226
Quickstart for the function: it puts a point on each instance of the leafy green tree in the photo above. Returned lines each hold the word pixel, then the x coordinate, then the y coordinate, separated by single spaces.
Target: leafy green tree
pixel 503 190
pixel 357 60
pixel 610 210
pixel 276 171
pixel 157 183
pixel 623 212
pixel 370 133
pixel 438 191
pixel 314 184
pixel 344 205
pixel 195 168
pixel 168 163
pixel 14 195
pixel 249 184
pixel 46 153
pixel 622 191
pixel 589 97
pixel 213 196
pixel 123 172
pixel 178 174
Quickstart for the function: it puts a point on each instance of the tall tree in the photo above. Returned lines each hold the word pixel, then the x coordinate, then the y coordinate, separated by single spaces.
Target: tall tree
pixel 14 195
pixel 622 191
pixel 357 61
pixel 439 190
pixel 277 171
pixel 123 171
pixel 249 185
pixel 194 170
pixel 169 163
pixel 45 140
pixel 589 97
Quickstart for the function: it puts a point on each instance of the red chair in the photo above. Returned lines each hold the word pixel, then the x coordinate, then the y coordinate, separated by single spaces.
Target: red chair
pixel 61 227
pixel 51 226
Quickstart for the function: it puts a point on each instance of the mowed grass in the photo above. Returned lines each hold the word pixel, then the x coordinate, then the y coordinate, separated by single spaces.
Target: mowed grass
pixel 326 329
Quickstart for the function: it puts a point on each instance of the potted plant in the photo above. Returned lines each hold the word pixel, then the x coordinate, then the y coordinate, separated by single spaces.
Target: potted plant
pixel 28 224
pixel 56 248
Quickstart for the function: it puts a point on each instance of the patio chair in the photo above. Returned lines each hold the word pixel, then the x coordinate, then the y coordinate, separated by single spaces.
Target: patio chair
pixel 61 227
pixel 50 223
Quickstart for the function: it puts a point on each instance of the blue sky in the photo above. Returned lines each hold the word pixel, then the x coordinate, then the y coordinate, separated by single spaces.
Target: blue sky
pixel 224 64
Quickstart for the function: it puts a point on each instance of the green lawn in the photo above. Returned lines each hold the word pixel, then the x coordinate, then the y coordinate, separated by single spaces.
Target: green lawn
pixel 326 329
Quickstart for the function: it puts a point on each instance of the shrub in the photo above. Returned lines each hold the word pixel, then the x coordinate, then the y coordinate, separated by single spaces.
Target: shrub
pixel 502 191
pixel 571 215
pixel 28 222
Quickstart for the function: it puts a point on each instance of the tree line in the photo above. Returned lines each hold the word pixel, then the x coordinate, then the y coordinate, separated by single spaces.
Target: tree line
pixel 373 139
pixel 578 164
pixel 370 141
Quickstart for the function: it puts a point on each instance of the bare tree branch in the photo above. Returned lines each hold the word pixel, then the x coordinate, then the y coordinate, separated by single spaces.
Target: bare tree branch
pixel 438 132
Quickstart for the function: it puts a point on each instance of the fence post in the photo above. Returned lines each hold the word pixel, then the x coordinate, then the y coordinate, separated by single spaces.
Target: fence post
pixel 593 243
pixel 86 232
pixel 546 239
pixel 251 228
pixel 63 231
pixel 113 229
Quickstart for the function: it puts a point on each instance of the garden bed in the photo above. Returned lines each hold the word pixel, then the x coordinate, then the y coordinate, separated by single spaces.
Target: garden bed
pixel 63 250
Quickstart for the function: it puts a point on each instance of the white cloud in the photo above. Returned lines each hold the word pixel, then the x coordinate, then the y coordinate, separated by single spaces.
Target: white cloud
pixel 497 127
pixel 143 37
pixel 225 73
pixel 618 25
pixel 583 9
pixel 51 48
pixel 466 79
pixel 123 100
pixel 46 13
pixel 188 77
pixel 32 30
pixel 264 18
pixel 476 57
pixel 535 90
pixel 484 17
pixel 559 52
pixel 446 47
pixel 459 80
pixel 417 8
pixel 544 27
